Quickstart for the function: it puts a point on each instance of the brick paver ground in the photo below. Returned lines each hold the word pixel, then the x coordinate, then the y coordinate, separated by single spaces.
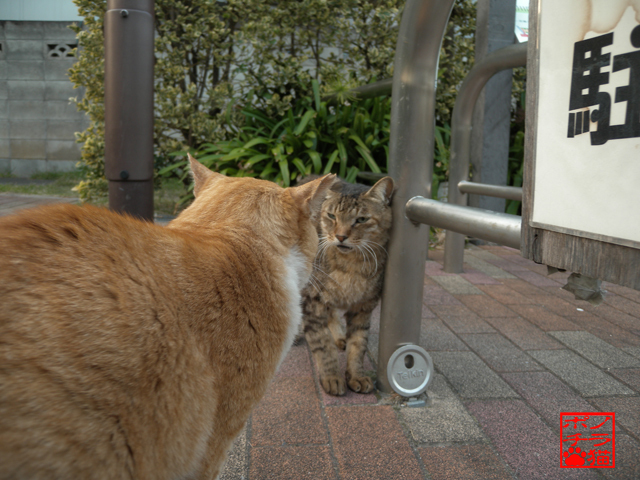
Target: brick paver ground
pixel 511 351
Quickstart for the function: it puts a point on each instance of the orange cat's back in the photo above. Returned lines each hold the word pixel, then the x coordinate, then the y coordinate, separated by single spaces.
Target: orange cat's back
pixel 129 350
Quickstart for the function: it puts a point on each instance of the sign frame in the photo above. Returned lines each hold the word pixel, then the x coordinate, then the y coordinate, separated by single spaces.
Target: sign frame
pixel 593 255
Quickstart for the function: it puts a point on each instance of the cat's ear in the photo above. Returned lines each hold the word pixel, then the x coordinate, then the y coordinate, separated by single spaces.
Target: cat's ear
pixel 311 195
pixel 200 174
pixel 382 190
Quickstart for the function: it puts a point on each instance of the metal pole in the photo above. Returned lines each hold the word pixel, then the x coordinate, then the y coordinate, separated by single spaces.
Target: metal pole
pixel 492 226
pixel 498 60
pixel 499 191
pixel 128 105
pixel 411 166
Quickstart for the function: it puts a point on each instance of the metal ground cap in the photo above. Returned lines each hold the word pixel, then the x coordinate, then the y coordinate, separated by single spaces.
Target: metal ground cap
pixel 410 370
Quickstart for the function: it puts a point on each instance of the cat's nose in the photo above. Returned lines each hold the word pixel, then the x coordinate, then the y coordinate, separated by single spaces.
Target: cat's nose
pixel 341 238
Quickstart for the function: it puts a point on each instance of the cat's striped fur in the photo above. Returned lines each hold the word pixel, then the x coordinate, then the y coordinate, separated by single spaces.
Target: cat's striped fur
pixel 353 227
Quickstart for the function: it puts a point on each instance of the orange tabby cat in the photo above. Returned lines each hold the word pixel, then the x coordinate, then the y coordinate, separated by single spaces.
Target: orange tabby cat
pixel 133 351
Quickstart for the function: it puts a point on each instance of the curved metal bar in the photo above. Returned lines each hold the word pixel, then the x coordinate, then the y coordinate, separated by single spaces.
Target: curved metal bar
pixel 500 191
pixel 411 166
pixel 498 60
pixel 485 224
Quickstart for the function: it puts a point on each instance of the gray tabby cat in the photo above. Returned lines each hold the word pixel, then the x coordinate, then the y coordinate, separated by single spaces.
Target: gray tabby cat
pixel 354 227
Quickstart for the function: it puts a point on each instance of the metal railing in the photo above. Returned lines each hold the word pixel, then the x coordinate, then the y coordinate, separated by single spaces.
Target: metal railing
pixel 498 60
pixel 411 166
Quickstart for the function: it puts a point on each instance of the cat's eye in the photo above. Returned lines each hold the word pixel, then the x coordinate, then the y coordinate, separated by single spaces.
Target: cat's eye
pixel 361 219
pixel 331 216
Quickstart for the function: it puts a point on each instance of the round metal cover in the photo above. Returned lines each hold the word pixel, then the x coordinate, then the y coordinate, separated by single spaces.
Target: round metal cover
pixel 410 370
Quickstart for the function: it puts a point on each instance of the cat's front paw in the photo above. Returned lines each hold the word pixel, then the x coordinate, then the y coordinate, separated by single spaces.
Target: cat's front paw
pixel 341 343
pixel 361 384
pixel 333 385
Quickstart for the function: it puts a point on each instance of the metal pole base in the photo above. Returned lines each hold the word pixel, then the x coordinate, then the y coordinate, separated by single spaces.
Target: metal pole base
pixel 134 198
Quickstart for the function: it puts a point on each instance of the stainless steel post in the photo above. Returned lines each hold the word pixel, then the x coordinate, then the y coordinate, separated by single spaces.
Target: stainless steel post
pixel 128 105
pixel 492 226
pixel 411 166
pixel 498 60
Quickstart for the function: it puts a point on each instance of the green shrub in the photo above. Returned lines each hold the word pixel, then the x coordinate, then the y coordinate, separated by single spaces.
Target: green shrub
pixel 310 138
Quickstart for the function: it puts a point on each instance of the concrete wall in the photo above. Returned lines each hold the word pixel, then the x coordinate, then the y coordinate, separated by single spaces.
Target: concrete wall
pixel 37 121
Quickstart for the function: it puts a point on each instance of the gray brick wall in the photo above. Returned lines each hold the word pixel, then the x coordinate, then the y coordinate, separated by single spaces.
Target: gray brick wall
pixel 37 121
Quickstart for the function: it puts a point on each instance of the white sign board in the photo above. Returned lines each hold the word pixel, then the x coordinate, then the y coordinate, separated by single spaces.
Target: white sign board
pixel 522 20
pixel 587 165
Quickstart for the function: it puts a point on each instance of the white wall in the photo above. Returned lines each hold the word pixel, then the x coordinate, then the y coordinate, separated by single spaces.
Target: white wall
pixel 39 10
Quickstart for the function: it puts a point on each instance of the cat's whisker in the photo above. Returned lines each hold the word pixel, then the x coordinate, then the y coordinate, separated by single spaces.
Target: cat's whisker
pixel 373 254
pixel 378 245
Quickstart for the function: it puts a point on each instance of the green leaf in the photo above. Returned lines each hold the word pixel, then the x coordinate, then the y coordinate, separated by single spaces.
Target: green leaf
pixel 284 170
pixel 171 167
pixel 303 123
pixel 369 159
pixel 343 158
pixel 359 141
pixel 299 165
pixel 315 158
pixel 256 141
pixel 351 176
pixel 332 159
pixel 316 93
pixel 258 158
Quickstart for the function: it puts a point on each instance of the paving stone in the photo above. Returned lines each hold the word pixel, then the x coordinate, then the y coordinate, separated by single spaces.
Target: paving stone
pixel 308 462
pixel 635 351
pixel 524 334
pixel 526 444
pixel 470 376
pixel 296 363
pixel 523 262
pixel 426 312
pixel 235 467
pixel 505 295
pixel 624 304
pixel 627 292
pixel 617 317
pixel 627 459
pixel 607 331
pixel 464 462
pixel 627 412
pixel 486 267
pixel 535 279
pixel 435 336
pixel 580 374
pixel 457 285
pixel 436 295
pixel 289 414
pixel 543 318
pixel 525 288
pixel 464 322
pixel 479 278
pixel 629 376
pixel 370 444
pixel 596 350
pixel 546 394
pixel 435 269
pixel 554 304
pixel 501 263
pixel 485 306
pixel 443 420
pixel 499 353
